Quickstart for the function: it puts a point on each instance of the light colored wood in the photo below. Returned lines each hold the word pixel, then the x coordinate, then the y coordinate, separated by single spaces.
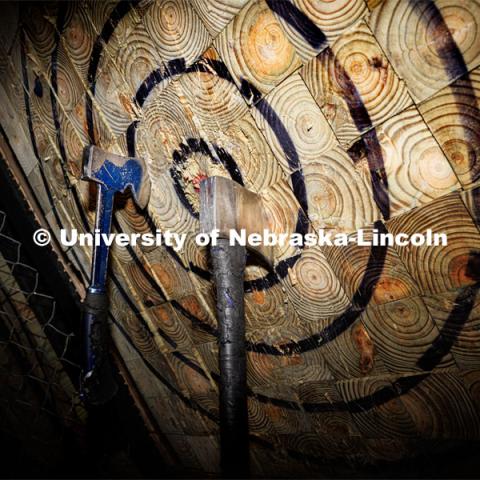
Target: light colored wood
pixel 416 169
pixel 413 39
pixel 402 332
pixel 310 408
pixel 443 268
pixel 261 52
pixel 340 198
pixel 355 70
pixel 176 30
pixel 268 309
pixel 377 275
pixel 216 14
pixel 310 367
pixel 174 280
pixel 452 116
pixel 133 55
pixel 194 305
pixel 99 12
pixel 215 101
pixel 313 288
pixel 282 209
pixel 78 38
pixel 113 106
pixel 352 354
pixel 461 329
pixel 305 124
pixel 246 144
pixel 331 18
pixel 39 25
pixel 221 116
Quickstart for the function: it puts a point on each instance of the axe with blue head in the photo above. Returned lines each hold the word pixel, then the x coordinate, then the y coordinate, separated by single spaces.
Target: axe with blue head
pixel 113 173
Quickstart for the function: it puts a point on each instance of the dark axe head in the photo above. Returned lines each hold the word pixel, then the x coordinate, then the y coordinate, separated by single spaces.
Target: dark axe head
pixel 117 173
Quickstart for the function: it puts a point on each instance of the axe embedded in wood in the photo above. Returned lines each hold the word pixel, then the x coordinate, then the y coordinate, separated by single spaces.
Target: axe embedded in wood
pixel 225 205
pixel 114 173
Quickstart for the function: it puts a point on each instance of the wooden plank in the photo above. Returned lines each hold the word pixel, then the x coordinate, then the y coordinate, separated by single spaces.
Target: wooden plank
pixel 457 316
pixel 471 379
pixel 355 70
pixel 258 421
pixel 207 451
pixel 376 274
pixel 402 332
pixel 351 354
pixel 169 325
pixel 245 143
pixel 471 199
pixel 99 13
pixel 340 198
pixel 313 288
pixel 439 269
pixel 415 39
pixel 39 24
pixel 78 37
pixel 308 367
pixel 176 30
pixel 344 439
pixel 389 419
pixel 261 53
pixel 222 119
pixel 216 14
pixel 113 104
pixel 215 101
pixel 441 407
pixel 283 210
pixel 331 18
pixel 175 282
pixel 416 169
pixel 201 390
pixel 307 127
pixel 452 116
pixel 268 309
pixel 196 308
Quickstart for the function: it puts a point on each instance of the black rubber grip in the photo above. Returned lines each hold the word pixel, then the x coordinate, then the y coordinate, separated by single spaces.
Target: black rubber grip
pixel 228 271
pixel 97 383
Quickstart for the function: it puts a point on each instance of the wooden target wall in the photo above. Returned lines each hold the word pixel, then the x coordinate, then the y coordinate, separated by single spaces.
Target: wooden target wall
pixel 342 114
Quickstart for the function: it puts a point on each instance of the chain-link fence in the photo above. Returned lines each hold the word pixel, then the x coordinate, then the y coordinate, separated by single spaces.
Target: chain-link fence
pixel 38 400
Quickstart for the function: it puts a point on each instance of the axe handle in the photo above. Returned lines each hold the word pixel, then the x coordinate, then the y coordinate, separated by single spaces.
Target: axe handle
pixel 228 271
pixel 97 383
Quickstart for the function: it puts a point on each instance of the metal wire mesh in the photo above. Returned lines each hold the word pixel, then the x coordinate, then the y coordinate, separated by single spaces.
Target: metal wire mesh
pixel 38 400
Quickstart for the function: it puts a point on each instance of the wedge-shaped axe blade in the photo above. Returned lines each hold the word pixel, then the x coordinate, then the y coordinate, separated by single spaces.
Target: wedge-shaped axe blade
pixel 117 173
pixel 114 173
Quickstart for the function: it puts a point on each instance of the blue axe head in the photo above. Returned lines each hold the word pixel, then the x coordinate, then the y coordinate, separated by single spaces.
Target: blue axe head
pixel 117 173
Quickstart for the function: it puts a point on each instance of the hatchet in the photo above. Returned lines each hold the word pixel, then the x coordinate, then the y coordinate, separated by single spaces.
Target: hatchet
pixel 113 173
